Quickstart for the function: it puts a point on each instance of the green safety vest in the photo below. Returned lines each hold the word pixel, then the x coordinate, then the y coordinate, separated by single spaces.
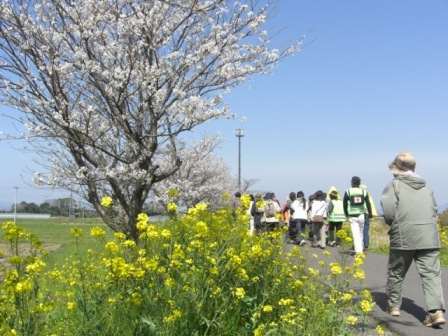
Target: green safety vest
pixel 337 214
pixel 356 202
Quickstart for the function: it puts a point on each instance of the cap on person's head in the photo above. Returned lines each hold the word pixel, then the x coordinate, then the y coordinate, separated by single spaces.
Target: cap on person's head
pixel 237 194
pixel 403 162
pixel 258 196
pixel 356 180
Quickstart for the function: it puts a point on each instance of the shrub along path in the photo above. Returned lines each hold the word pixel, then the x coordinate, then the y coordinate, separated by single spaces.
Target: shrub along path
pixel 413 310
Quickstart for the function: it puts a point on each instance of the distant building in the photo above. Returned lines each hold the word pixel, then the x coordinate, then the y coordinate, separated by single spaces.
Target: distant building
pixel 24 215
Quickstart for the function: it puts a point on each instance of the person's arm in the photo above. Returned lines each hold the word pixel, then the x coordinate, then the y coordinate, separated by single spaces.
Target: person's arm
pixel 345 203
pixel 389 203
pixel 330 208
pixel 369 206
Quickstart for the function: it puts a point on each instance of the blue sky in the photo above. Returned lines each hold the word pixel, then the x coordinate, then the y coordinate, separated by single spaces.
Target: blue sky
pixel 371 81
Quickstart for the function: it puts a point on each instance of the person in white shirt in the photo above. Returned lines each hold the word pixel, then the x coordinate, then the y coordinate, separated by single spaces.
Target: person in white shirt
pixel 318 213
pixel 299 216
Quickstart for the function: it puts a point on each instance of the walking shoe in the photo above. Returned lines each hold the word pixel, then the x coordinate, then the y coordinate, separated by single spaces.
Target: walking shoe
pixel 302 242
pixel 434 319
pixel 333 243
pixel 394 311
pixel 314 245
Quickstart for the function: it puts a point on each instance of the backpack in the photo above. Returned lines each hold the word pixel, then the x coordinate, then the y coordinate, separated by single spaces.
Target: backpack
pixel 269 209
pixel 357 199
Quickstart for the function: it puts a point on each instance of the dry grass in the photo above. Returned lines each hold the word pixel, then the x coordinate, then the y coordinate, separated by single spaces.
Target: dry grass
pixel 378 237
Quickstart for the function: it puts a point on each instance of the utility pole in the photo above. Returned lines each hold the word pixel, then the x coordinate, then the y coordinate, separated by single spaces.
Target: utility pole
pixel 239 133
pixel 70 209
pixel 15 205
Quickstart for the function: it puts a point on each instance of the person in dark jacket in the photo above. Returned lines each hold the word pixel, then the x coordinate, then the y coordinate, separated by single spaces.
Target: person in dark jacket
pixel 409 208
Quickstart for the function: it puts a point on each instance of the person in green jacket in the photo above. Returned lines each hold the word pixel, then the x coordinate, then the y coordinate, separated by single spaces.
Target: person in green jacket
pixel 355 203
pixel 335 216
pixel 409 208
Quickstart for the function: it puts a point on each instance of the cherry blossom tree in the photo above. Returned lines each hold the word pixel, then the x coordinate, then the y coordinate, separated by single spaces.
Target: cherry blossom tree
pixel 203 177
pixel 105 87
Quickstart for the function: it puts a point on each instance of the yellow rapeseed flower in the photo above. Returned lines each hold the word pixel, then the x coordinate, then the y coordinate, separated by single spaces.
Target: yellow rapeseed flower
pixel 379 330
pixel 120 235
pixel 142 222
pixel 367 306
pixel 214 271
pixel 217 291
pixel 346 297
pixel 298 283
pixel 106 201
pixel 173 317
pixel 255 279
pixel 367 294
pixel 170 282
pixel 129 244
pixel 24 286
pixel 359 274
pixel 336 269
pixel 171 207
pixel 240 293
pixel 76 232
pixel 70 305
pixel 192 211
pixel 201 206
pixel 97 232
pixel 245 201
pixel 35 267
pixel 313 271
pixel 201 228
pixel 112 247
pixel 351 320
pixel 358 261
pixel 285 302
pixel 268 308
pixel 342 234
pixel 165 233
pixel 259 330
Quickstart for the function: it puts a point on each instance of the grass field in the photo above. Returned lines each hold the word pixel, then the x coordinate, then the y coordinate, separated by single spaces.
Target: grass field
pixel 55 234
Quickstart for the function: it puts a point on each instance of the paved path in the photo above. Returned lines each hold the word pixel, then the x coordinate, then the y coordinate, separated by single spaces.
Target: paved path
pixel 413 310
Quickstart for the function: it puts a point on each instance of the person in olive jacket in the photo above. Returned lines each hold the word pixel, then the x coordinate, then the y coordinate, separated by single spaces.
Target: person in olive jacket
pixel 409 208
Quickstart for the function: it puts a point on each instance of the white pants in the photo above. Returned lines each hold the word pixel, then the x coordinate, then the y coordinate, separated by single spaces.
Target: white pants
pixel 357 225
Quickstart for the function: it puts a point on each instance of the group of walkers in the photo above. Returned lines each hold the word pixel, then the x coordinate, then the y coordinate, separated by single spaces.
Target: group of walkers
pixel 317 218
pixel 325 214
pixel 409 208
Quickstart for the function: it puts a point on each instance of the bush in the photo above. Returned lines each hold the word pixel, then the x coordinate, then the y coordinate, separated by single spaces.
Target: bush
pixel 196 274
pixel 443 219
